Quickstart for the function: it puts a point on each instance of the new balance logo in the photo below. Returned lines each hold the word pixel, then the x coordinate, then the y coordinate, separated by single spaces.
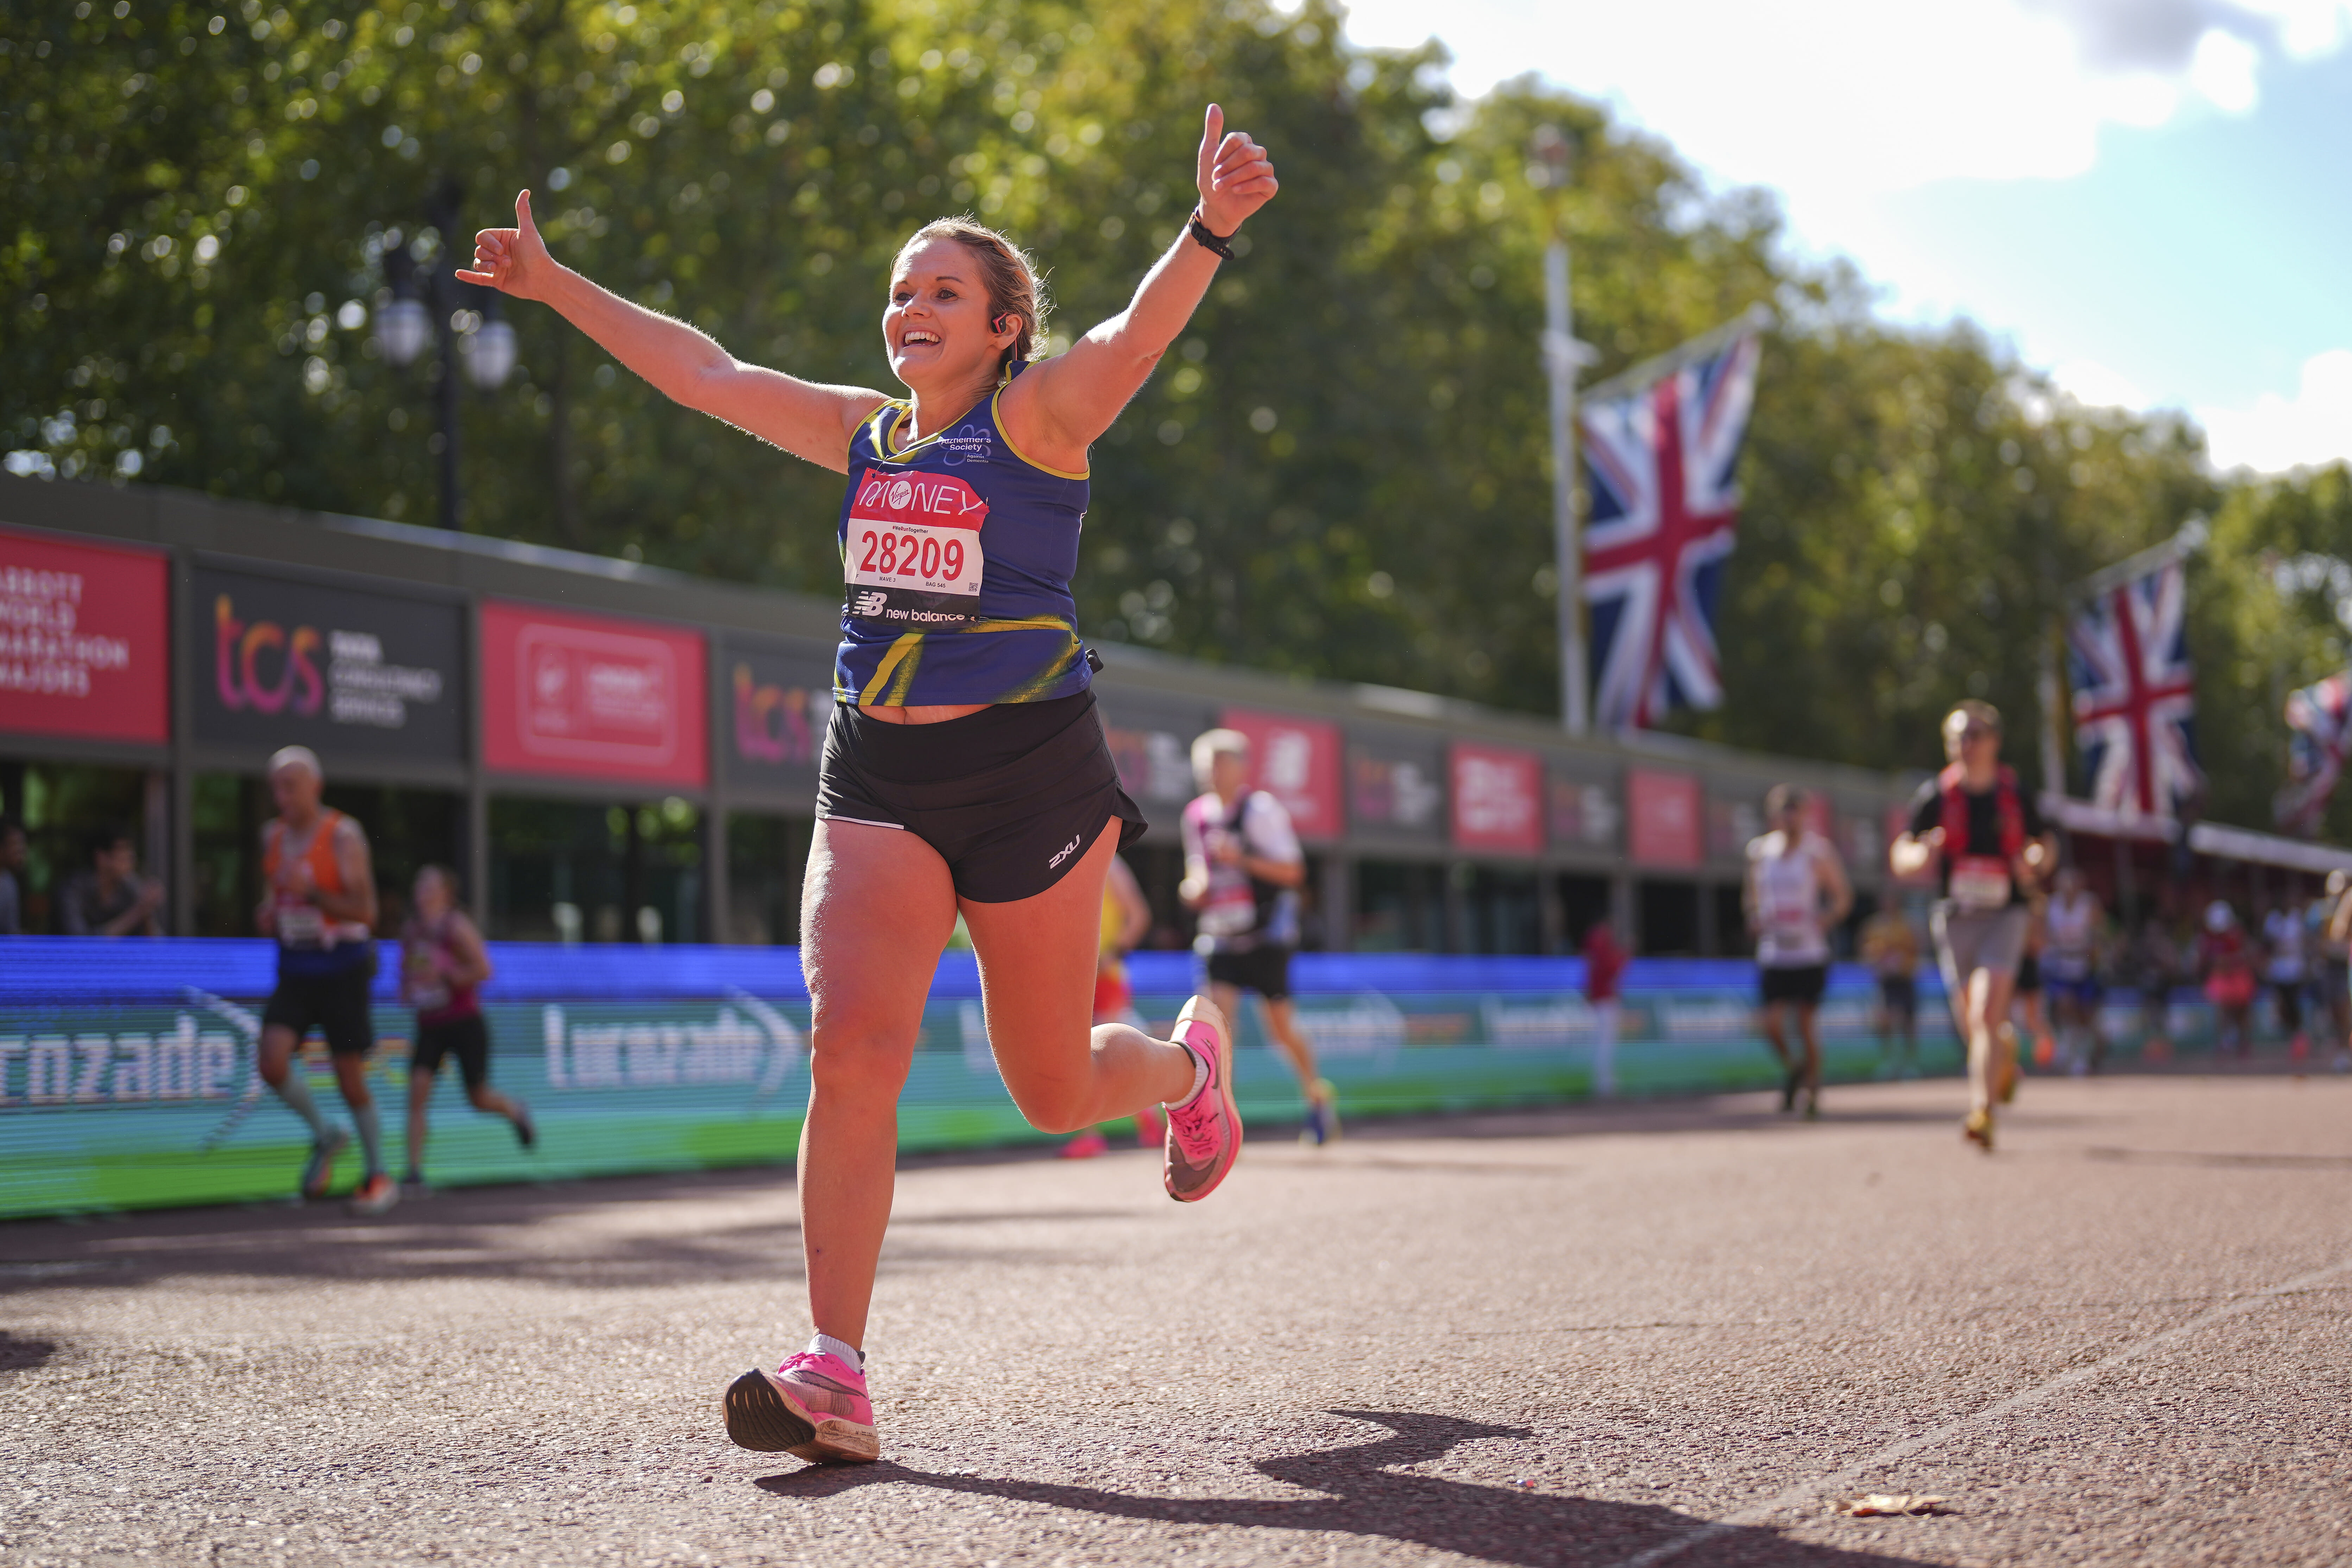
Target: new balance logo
pixel 868 603
pixel 1067 850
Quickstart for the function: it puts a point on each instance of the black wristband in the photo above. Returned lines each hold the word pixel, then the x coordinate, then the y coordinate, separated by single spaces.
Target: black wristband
pixel 1208 241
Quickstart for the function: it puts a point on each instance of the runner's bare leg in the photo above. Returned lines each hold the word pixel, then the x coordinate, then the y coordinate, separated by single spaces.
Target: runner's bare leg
pixel 1037 959
pixel 878 909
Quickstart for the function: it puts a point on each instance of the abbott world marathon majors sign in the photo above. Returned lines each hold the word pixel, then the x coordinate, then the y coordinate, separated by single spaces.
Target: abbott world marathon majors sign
pixel 348 672
pixel 83 646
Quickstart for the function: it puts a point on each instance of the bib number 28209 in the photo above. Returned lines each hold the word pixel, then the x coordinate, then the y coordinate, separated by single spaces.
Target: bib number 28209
pixel 911 554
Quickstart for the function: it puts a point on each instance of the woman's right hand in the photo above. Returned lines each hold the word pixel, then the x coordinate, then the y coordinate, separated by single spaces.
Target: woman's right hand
pixel 513 261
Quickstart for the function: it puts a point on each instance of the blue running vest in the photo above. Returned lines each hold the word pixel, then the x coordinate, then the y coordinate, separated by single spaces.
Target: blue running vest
pixel 957 554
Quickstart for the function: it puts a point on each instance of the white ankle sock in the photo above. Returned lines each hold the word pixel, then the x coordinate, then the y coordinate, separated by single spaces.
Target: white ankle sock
pixel 1199 1079
pixel 825 1344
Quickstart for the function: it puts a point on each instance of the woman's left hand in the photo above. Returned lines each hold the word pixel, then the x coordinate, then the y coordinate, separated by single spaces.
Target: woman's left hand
pixel 1236 177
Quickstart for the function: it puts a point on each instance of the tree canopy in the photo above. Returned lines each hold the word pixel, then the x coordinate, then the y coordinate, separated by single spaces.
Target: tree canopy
pixel 1341 470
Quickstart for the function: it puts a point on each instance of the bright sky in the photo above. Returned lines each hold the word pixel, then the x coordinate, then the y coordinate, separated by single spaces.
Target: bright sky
pixel 2149 197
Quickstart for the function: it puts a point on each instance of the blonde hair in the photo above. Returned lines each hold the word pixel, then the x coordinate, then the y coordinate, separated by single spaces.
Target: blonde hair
pixel 1968 711
pixel 1213 744
pixel 1006 271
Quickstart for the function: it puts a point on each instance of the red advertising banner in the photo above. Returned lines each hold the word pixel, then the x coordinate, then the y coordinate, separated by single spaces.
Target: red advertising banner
pixel 593 697
pixel 1665 827
pixel 1296 761
pixel 85 640
pixel 1498 799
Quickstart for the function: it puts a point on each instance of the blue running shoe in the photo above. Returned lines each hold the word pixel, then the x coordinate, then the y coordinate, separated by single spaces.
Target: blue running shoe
pixel 318 1170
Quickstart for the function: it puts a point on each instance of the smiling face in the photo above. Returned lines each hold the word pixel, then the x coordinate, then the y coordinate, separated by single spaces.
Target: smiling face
pixel 936 328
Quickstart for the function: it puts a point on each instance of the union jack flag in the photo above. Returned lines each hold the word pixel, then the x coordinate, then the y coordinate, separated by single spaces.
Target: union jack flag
pixel 1658 466
pixel 2319 730
pixel 2134 706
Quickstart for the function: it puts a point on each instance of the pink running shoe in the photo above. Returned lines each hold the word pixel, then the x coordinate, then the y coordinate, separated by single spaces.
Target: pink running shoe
pixel 812 1405
pixel 1205 1134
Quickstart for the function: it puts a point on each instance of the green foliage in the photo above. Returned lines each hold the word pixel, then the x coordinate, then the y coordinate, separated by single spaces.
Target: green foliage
pixel 1342 468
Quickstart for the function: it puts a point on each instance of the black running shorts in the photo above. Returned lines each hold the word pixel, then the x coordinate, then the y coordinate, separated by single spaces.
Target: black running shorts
pixel 1011 795
pixel 468 1038
pixel 334 1004
pixel 1800 983
pixel 1264 968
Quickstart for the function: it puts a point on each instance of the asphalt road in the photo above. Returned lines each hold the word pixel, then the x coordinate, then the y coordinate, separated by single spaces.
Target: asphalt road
pixel 1671 1333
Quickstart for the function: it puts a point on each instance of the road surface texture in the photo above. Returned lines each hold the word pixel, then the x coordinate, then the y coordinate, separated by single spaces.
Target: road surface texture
pixel 1660 1333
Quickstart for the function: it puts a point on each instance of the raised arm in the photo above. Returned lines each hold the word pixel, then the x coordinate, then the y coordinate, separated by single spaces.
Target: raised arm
pixel 1061 404
pixel 805 418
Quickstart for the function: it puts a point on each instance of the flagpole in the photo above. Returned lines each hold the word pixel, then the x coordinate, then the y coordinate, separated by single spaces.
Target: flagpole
pixel 1561 360
pixel 1563 356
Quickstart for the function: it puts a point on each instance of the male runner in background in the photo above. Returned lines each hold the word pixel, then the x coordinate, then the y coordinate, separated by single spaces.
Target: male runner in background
pixel 1605 974
pixel 1242 867
pixel 1796 891
pixel 2072 925
pixel 1891 947
pixel 2287 968
pixel 319 904
pixel 2332 950
pixel 1983 832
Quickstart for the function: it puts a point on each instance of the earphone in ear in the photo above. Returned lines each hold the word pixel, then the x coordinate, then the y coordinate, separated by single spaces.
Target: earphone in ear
pixel 1007 322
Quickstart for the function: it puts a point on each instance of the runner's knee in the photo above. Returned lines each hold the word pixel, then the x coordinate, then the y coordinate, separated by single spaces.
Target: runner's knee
pixel 847 1058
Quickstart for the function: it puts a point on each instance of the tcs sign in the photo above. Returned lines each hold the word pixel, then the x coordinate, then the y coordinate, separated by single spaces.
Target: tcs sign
pixel 262 666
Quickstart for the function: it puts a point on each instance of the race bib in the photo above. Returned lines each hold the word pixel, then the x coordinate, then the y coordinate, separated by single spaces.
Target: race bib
pixel 911 559
pixel 1980 882
pixel 429 998
pixel 301 925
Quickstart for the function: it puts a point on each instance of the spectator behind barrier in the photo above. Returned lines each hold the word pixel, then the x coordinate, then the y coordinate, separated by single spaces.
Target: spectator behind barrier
pixel 12 877
pixel 111 899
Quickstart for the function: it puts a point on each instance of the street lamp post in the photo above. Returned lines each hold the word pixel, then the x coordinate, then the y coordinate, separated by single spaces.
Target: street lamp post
pixel 1563 356
pixel 463 319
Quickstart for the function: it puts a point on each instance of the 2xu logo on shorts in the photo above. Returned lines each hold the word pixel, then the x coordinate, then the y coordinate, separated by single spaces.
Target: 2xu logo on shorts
pixel 911 555
pixel 1065 853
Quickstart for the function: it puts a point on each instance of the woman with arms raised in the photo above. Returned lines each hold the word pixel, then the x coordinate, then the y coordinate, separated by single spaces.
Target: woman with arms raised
pixel 965 768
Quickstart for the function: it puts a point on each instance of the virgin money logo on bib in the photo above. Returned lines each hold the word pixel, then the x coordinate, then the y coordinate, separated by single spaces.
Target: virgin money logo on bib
pixel 911 558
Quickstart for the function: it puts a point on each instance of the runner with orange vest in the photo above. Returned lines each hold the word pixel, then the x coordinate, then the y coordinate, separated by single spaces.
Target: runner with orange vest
pixel 319 904
pixel 1984 831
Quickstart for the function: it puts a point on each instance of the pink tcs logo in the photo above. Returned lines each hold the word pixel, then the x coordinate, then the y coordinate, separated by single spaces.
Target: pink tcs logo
pixel 238 652
pixel 770 721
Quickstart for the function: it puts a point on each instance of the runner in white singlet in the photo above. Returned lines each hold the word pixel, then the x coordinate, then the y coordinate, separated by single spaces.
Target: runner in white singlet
pixel 1796 890
pixel 2075 923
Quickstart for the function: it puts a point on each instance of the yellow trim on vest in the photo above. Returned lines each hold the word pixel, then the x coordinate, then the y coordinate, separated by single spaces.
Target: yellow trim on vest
pixel 904 655
pixel 997 414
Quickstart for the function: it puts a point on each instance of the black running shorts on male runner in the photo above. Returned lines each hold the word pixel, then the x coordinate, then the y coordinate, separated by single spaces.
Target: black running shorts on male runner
pixel 336 1005
pixel 468 1038
pixel 1264 968
pixel 1800 983
pixel 1011 797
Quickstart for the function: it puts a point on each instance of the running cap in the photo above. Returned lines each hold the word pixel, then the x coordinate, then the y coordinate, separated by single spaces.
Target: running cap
pixel 2219 916
pixel 1213 744
pixel 286 756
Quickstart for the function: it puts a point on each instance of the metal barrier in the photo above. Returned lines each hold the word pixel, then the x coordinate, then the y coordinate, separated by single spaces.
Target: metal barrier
pixel 128 1078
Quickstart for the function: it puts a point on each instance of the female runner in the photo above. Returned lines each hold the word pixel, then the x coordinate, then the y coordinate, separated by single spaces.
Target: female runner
pixel 965 767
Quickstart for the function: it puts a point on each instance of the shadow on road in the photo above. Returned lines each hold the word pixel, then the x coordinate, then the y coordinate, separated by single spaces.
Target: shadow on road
pixel 20 1355
pixel 1364 1496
